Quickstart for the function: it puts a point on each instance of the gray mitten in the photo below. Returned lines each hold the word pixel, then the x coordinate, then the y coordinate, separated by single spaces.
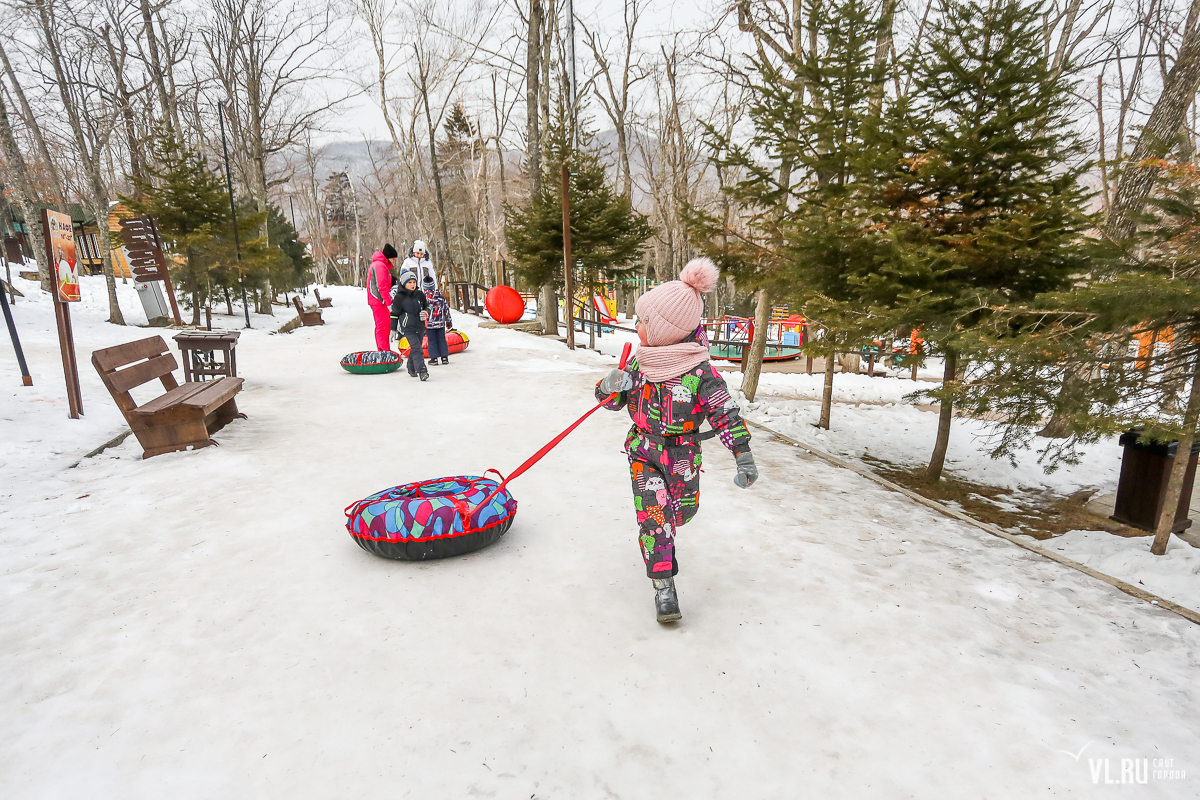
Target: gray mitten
pixel 424 316
pixel 747 473
pixel 616 381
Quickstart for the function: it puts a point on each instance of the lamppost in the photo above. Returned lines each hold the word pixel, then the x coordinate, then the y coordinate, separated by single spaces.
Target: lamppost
pixel 233 209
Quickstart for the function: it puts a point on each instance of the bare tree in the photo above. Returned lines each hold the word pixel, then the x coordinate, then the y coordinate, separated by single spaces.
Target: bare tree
pixel 1163 125
pixel 19 175
pixel 35 129
pixel 619 80
pixel 437 70
pixel 76 80
pixel 269 57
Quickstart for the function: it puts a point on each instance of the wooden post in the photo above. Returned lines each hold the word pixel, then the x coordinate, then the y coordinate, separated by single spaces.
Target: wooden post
pixel 595 315
pixel 568 264
pixel 166 272
pixel 26 378
pixel 62 318
pixel 746 347
pixel 804 340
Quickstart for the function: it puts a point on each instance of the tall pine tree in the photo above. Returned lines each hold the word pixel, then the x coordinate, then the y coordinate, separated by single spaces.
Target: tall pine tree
pixel 607 235
pixel 811 172
pixel 985 205
pixel 191 206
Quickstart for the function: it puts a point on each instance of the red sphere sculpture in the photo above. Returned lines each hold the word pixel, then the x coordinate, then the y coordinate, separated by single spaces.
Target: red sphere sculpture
pixel 504 304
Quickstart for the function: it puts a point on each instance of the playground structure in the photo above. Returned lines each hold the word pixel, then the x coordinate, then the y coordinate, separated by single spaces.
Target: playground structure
pixel 729 337
pixel 596 309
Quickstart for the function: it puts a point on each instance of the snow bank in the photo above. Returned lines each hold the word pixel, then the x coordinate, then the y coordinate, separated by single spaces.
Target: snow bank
pixel 884 427
pixel 1174 575
pixel 38 437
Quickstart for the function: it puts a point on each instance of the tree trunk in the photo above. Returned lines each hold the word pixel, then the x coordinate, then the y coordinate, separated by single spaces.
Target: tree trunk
pixel 156 71
pixel 533 135
pixel 447 259
pixel 31 121
pixel 934 471
pixel 121 91
pixel 827 390
pixel 883 47
pixel 548 310
pixel 106 264
pixel 1166 518
pixel 89 157
pixel 758 348
pixel 34 235
pixel 1168 116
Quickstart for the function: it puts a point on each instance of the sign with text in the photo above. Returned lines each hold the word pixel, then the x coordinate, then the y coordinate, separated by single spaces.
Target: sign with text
pixel 143 250
pixel 60 248
pixel 60 244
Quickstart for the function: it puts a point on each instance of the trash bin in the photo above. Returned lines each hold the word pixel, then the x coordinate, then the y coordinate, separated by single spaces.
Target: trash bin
pixel 1142 488
pixel 154 303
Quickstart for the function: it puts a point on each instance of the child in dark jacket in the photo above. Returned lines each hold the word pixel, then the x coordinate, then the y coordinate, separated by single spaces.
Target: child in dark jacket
pixel 410 309
pixel 669 389
pixel 438 323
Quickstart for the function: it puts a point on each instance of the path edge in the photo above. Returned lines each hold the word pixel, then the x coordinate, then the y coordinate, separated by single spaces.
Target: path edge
pixel 1117 583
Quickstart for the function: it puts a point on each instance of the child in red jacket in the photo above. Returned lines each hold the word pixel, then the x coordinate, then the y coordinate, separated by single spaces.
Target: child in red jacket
pixel 669 389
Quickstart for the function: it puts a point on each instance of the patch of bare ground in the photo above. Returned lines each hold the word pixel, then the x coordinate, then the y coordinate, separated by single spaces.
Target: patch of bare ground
pixel 1033 512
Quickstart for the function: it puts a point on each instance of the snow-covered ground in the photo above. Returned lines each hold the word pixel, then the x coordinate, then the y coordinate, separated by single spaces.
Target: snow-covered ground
pixel 200 624
pixel 1175 575
pixel 871 418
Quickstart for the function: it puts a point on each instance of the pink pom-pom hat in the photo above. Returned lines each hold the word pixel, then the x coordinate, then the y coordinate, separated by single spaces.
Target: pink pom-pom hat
pixel 672 311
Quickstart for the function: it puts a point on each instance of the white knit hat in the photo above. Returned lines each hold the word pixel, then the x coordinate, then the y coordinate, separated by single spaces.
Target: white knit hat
pixel 419 246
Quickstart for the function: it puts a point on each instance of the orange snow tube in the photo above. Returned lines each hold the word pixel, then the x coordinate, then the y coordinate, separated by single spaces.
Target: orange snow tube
pixel 456 342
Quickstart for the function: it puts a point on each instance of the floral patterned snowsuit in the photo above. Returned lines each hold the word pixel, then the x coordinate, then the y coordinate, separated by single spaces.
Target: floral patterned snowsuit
pixel 664 456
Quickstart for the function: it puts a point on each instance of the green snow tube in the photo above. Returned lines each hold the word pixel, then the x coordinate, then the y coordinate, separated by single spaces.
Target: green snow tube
pixel 372 362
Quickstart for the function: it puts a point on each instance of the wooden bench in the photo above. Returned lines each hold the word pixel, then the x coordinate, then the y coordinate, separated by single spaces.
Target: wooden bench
pixel 322 302
pixel 307 317
pixel 185 416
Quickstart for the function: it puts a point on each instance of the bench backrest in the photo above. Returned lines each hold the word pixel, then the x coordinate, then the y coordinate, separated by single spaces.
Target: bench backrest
pixel 317 293
pixel 127 366
pixel 299 306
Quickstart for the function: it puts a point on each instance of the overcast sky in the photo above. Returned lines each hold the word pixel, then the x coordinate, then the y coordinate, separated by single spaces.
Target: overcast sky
pixel 362 118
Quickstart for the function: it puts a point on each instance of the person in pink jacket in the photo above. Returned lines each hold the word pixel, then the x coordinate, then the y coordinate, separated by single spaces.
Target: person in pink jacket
pixel 379 293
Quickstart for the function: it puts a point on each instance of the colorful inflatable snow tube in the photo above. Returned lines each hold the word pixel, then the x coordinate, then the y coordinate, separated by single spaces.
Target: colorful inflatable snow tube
pixel 372 362
pixel 456 342
pixel 432 519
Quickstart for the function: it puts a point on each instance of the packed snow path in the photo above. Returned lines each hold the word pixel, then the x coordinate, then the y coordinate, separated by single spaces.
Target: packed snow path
pixel 201 625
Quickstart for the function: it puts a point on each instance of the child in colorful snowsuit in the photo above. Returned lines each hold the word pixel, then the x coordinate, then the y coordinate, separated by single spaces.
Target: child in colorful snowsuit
pixel 410 309
pixel 669 389
pixel 438 323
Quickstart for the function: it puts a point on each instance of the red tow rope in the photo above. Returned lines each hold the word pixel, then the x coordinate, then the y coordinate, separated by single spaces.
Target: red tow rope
pixel 536 457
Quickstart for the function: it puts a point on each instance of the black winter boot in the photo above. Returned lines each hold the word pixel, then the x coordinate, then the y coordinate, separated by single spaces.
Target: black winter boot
pixel 424 376
pixel 445 360
pixel 666 602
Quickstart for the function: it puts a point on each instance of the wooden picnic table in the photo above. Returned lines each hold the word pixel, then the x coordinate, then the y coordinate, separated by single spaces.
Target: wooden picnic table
pixel 199 351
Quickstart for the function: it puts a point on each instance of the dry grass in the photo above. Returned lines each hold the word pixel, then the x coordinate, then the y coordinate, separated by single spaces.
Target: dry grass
pixel 1036 513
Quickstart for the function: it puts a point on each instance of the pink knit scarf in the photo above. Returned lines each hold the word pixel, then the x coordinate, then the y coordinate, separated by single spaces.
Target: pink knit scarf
pixel 662 363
